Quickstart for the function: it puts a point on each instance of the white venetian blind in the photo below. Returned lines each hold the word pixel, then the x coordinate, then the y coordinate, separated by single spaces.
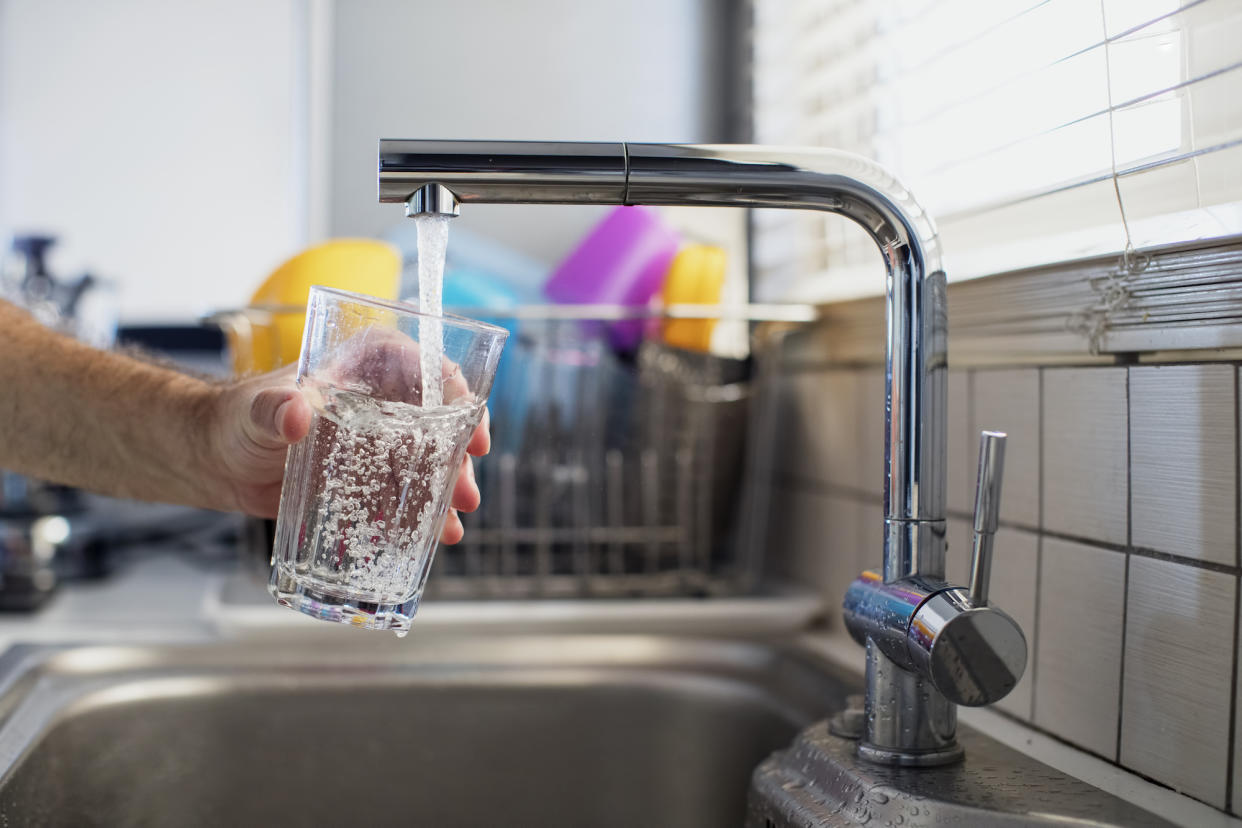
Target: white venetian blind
pixel 1034 132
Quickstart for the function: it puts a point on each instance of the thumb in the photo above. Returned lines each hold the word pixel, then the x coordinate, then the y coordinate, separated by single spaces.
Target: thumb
pixel 277 417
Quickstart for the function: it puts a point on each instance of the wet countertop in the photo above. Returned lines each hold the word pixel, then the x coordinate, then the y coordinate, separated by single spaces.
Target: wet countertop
pixel 165 594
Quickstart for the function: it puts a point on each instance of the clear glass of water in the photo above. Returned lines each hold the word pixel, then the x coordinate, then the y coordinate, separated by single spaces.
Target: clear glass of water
pixel 367 491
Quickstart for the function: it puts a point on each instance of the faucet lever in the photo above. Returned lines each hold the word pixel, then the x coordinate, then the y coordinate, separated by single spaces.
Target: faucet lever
pixel 987 513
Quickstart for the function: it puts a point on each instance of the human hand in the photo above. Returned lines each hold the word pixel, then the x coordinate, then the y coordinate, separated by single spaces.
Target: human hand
pixel 254 422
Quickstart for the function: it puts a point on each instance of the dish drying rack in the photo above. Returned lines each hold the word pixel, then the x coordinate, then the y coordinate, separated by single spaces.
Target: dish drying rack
pixel 614 474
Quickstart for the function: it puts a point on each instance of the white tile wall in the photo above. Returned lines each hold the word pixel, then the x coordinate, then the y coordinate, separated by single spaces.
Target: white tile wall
pixel 1078 644
pixel 818 541
pixel 871 429
pixel 961 450
pixel 1008 401
pixel 960 536
pixel 1163 437
pixel 1236 805
pixel 1085 456
pixel 785 422
pixel 827 447
pixel 1015 568
pixel 871 537
pixel 1183 471
pixel 1178 676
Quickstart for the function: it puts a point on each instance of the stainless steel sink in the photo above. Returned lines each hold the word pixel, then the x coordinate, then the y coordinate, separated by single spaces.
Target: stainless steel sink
pixel 448 729
pixel 433 730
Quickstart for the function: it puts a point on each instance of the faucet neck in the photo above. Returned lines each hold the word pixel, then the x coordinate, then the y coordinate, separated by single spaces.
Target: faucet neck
pixel 751 176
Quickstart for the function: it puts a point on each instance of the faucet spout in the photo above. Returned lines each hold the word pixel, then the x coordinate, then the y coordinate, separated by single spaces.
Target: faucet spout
pixel 551 172
pixel 916 352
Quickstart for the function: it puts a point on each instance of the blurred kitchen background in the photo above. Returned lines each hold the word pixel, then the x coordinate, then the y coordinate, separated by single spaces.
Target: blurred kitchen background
pixel 186 150
pixel 209 143
pixel 1082 160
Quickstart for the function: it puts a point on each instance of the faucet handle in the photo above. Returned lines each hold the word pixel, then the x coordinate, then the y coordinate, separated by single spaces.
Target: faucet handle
pixel 987 513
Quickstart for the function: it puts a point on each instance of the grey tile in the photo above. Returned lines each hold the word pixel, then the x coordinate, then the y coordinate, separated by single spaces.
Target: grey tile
pixel 865 551
pixel 860 555
pixel 815 542
pixel 1014 572
pixel 871 429
pixel 1236 804
pixel 781 543
pixel 785 423
pixel 1078 643
pixel 961 495
pixel 1183 442
pixel 871 537
pixel 1177 686
pixel 960 537
pixel 825 426
pixel 1084 447
pixel 1008 401
pixel 1015 565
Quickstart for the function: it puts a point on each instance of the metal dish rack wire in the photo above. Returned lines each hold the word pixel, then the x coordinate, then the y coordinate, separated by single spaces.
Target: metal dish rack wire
pixel 615 473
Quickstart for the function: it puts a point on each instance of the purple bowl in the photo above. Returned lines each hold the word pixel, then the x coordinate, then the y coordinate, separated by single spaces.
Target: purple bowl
pixel 623 261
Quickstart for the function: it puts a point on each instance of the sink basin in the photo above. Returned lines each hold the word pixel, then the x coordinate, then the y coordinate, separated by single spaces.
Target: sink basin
pixel 433 730
pixel 461 729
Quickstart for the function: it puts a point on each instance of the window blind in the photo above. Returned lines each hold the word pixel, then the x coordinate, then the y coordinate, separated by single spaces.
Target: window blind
pixel 1033 132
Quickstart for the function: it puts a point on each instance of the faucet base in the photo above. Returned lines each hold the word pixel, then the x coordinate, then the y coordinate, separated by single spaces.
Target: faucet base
pixel 908 759
pixel 907 722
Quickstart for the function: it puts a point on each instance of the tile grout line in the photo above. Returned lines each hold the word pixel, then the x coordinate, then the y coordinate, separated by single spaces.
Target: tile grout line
pixel 821 487
pixel 1121 683
pixel 1125 594
pixel 1039 537
pixel 1169 557
pixel 831 489
pixel 1231 759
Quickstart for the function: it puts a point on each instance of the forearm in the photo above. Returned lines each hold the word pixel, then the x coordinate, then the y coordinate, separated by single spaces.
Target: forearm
pixel 98 420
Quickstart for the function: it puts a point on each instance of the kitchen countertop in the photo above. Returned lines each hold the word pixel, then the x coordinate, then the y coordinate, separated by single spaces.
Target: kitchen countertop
pixel 165 595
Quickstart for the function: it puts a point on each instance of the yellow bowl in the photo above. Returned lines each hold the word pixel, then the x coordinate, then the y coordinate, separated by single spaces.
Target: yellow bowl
pixel 261 339
pixel 696 277
pixel 268 334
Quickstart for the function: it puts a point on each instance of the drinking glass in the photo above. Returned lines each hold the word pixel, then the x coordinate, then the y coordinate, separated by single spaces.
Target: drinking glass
pixel 396 396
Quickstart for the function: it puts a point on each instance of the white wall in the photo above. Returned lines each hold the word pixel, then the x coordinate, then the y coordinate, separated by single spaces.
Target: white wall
pixel 640 70
pixel 158 139
pixel 185 148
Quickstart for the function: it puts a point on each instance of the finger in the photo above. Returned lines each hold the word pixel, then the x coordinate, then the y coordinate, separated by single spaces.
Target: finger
pixel 453 531
pixel 466 495
pixel 276 418
pixel 293 418
pixel 481 441
pixel 455 386
pixel 380 361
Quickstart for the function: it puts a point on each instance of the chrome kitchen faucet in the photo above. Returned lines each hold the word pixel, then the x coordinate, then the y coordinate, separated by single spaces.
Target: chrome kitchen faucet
pixel 930 645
